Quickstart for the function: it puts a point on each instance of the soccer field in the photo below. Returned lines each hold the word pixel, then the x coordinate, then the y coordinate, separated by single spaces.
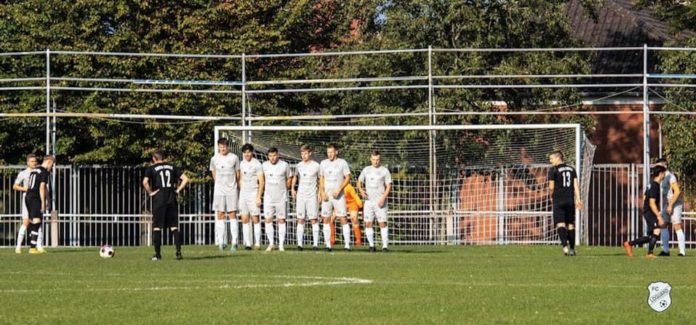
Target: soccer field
pixel 423 284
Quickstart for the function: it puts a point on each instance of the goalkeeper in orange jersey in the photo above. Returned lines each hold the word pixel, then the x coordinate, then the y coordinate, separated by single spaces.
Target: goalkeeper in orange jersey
pixel 353 204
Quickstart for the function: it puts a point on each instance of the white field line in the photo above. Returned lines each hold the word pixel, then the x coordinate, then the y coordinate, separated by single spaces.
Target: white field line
pixel 318 281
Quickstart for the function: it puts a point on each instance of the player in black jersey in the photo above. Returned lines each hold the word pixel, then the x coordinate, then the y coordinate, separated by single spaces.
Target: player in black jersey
pixel 565 197
pixel 651 213
pixel 36 200
pixel 163 182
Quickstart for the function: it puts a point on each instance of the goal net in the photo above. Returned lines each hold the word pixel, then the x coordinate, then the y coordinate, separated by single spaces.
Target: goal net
pixel 460 184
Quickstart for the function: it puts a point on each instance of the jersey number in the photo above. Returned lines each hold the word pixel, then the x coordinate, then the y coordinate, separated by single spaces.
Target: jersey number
pixel 168 177
pixel 567 177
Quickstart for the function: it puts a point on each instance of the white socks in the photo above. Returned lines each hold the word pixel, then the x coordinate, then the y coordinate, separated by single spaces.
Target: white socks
pixel 219 232
pixel 270 232
pixel 385 236
pixel 245 234
pixel 681 240
pixel 20 235
pixel 234 227
pixel 370 233
pixel 346 235
pixel 315 234
pixel 300 234
pixel 327 235
pixel 282 230
pixel 257 234
pixel 39 241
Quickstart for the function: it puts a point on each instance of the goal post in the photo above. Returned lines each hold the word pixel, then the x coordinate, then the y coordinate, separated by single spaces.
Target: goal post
pixel 477 184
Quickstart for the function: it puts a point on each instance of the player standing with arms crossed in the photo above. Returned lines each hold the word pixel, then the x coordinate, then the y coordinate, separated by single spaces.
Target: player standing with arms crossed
pixel 225 169
pixel 565 197
pixel 307 199
pixel 375 184
pixel 334 175
pixel 160 182
pixel 278 178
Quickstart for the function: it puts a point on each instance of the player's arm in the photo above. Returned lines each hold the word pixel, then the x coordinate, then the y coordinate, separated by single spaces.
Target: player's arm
pixel 238 176
pixel 19 187
pixel 42 195
pixel 290 177
pixel 361 189
pixel 578 200
pixel 322 194
pixel 677 192
pixel 212 168
pixel 346 180
pixel 146 186
pixel 552 183
pixel 184 181
pixel 656 211
pixel 293 192
pixel 262 185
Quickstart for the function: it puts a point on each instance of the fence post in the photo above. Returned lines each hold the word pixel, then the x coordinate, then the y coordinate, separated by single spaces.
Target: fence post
pixel 54 228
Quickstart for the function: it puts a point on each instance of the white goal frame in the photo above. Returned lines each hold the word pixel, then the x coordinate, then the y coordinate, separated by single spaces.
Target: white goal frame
pixel 248 130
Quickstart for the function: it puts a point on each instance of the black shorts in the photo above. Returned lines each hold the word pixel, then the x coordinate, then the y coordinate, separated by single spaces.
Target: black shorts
pixel 651 222
pixel 563 212
pixel 33 207
pixel 165 211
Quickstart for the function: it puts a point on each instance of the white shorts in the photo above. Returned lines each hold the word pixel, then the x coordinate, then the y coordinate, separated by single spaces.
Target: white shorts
pixel 225 203
pixel 248 207
pixel 337 205
pixel 676 217
pixel 277 209
pixel 25 211
pixel 307 208
pixel 372 210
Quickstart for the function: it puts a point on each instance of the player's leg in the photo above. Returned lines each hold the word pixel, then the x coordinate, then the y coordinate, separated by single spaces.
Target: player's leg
pixel 246 223
pixel 219 208
pixel 282 226
pixel 356 226
pixel 326 210
pixel 676 219
pixel 664 234
pixel 232 207
pixel 22 229
pixel 369 217
pixel 559 221
pixel 342 214
pixel 256 222
pixel 570 224
pixel 34 210
pixel 158 223
pixel 381 214
pixel 313 214
pixel 301 212
pixel 269 212
pixel 172 222
pixel 332 221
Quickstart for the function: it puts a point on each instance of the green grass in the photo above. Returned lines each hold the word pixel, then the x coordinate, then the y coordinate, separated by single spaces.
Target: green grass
pixel 425 284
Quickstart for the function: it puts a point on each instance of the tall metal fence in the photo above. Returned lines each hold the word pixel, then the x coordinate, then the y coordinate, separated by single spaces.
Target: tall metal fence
pixel 100 204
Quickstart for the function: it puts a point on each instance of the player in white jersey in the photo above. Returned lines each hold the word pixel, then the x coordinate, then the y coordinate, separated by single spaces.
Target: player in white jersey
pixel 306 195
pixel 22 184
pixel 672 201
pixel 225 169
pixel 250 194
pixel 375 184
pixel 334 175
pixel 278 179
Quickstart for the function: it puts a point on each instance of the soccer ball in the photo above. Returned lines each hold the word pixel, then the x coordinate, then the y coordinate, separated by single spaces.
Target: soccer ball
pixel 106 251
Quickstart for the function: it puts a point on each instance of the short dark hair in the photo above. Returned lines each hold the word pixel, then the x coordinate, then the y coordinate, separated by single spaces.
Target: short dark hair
pixel 375 152
pixel 272 150
pixel 247 147
pixel 559 154
pixel 224 141
pixel 158 155
pixel 661 160
pixel 656 171
pixel 31 155
pixel 49 157
pixel 306 147
pixel 332 146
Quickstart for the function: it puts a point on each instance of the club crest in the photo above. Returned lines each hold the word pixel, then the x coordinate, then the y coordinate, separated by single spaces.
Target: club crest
pixel 659 296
